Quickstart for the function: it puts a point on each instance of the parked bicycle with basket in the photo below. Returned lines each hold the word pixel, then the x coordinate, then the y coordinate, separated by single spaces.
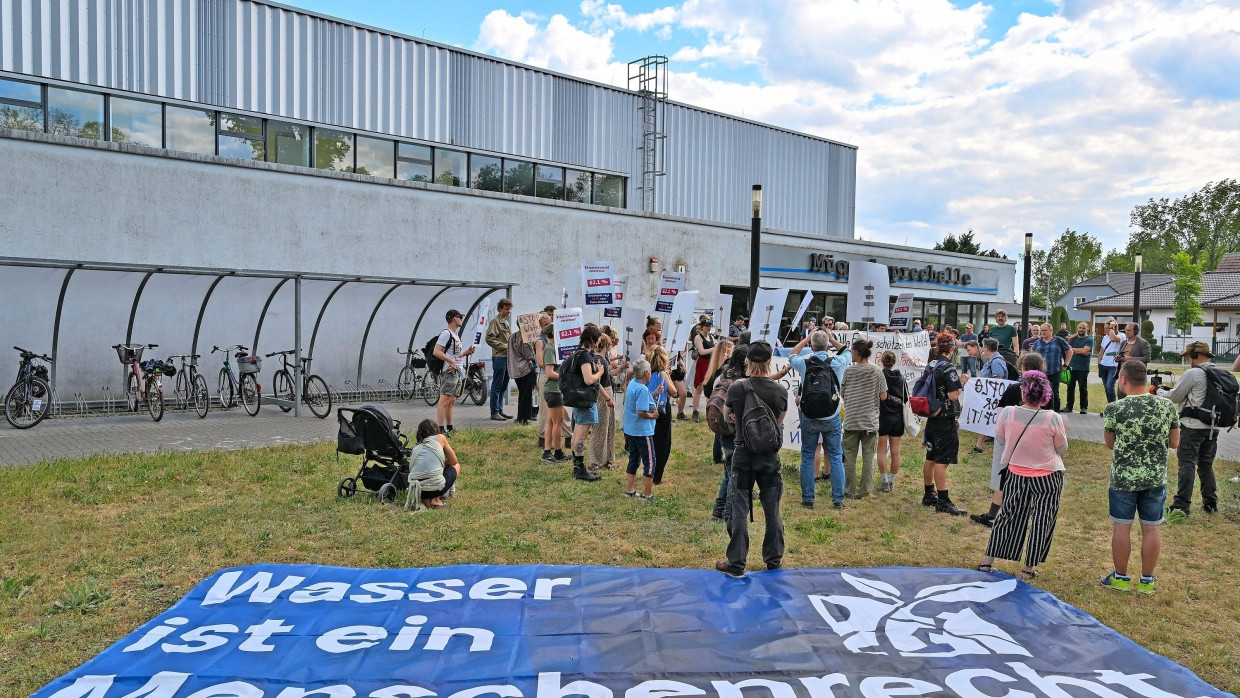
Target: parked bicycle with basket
pixel 243 383
pixel 314 392
pixel 144 379
pixel 191 386
pixel 28 401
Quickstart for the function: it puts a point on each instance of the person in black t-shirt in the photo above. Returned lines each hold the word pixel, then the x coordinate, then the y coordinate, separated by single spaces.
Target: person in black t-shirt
pixel 941 438
pixel 750 468
pixel 1011 397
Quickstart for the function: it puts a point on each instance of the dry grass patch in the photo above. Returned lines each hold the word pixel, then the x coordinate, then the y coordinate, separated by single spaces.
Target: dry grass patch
pixel 118 539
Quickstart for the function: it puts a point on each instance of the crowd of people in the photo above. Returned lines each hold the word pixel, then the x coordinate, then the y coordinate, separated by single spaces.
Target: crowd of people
pixel 853 415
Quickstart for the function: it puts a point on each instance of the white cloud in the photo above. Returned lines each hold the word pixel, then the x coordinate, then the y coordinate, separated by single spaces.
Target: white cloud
pixel 1065 121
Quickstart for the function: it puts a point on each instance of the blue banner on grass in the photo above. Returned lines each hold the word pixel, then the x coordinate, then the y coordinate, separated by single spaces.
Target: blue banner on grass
pixel 295 631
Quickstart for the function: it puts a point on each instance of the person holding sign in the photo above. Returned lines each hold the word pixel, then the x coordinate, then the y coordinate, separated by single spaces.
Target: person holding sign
pixel 451 378
pixel 553 402
pixel 940 437
pixel 1029 444
pixel 522 369
pixel 702 349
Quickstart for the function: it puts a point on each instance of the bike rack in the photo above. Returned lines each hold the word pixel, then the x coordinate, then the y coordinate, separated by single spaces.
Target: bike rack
pixel 108 401
pixel 79 401
pixel 389 389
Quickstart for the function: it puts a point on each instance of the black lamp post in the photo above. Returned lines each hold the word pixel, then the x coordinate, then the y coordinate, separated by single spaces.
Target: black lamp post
pixel 755 247
pixel 1136 294
pixel 1024 306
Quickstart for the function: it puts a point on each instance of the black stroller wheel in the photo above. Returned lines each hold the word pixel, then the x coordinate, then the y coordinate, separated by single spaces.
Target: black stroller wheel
pixel 387 494
pixel 347 488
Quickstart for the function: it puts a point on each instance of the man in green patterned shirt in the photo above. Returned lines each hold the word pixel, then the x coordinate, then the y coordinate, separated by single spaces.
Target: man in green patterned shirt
pixel 1139 429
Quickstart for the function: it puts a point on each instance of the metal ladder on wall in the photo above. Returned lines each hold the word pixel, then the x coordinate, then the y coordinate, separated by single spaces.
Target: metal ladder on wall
pixel 648 77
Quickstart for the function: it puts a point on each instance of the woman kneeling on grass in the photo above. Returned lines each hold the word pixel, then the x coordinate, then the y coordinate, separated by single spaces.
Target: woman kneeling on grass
pixel 1030 442
pixel 433 468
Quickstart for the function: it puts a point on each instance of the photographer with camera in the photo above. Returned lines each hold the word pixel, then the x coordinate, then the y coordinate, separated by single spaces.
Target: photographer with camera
pixel 1108 353
pixel 1200 393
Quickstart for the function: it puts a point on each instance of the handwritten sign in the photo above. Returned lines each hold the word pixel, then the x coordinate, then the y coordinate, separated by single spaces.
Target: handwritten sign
pixel 528 326
pixel 568 326
pixel 979 404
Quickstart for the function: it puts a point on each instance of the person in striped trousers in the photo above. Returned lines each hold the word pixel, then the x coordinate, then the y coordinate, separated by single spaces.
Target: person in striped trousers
pixel 1030 442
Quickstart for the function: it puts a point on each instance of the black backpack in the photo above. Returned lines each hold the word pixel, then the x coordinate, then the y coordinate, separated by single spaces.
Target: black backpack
pixel 820 389
pixel 573 388
pixel 758 425
pixel 434 364
pixel 1219 408
pixel 1010 358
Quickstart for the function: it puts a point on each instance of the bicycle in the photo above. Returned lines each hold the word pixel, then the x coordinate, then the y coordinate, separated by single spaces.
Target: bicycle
pixel 246 386
pixel 144 380
pixel 27 402
pixel 409 383
pixel 191 386
pixel 474 385
pixel 314 392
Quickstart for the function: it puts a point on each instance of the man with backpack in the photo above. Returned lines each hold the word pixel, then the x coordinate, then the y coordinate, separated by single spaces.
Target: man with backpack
pixel 1206 395
pixel 941 439
pixel 447 351
pixel 757 404
pixel 821 375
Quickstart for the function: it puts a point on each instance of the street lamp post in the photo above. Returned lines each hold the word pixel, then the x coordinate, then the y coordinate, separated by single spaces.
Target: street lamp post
pixel 755 247
pixel 1024 306
pixel 1136 293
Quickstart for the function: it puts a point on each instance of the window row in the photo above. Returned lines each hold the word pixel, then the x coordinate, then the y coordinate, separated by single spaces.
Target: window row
pixel 65 112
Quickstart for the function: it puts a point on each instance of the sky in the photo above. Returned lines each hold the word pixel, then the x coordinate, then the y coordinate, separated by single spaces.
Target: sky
pixel 1005 117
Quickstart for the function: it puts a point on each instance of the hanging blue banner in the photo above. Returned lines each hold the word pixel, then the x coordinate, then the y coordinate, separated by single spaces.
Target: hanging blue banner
pixel 295 631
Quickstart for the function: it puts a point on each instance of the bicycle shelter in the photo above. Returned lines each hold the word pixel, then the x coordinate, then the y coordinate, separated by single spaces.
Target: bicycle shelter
pixel 348 326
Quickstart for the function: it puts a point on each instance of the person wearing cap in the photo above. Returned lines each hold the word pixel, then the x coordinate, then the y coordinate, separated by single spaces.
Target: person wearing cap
pixel 940 438
pixel 703 347
pixel 749 468
pixel 1198 439
pixel 737 327
pixel 448 348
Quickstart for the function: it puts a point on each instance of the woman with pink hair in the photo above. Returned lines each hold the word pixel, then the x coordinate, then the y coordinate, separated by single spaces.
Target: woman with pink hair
pixel 1030 443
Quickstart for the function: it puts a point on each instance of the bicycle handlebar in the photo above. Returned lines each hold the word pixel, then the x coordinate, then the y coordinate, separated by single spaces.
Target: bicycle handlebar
pixel 229 348
pixel 27 354
pixel 278 353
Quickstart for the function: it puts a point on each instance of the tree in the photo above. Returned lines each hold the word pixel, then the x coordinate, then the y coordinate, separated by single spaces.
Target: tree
pixel 1037 294
pixel 1072 258
pixel 964 245
pixel 1187 284
pixel 1059 316
pixel 1205 224
pixel 1117 260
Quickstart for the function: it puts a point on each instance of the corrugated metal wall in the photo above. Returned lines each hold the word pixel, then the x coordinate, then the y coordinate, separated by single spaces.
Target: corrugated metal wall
pixel 252 56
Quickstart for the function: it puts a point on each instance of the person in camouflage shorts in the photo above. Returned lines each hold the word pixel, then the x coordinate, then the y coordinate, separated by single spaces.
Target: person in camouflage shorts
pixel 1139 429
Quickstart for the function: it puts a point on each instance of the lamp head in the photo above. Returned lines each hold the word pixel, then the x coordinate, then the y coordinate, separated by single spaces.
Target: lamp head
pixel 757 201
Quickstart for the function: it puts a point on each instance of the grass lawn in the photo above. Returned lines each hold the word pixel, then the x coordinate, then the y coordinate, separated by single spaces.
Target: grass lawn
pixel 115 540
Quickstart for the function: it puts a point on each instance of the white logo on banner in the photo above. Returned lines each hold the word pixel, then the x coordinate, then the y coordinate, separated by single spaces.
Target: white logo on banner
pixel 881 622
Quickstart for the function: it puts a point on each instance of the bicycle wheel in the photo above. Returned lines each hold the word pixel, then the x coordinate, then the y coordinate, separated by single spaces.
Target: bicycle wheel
pixel 477 389
pixel 200 398
pixel 430 389
pixel 317 396
pixel 407 383
pixel 182 391
pixel 131 392
pixel 250 399
pixel 155 397
pixel 226 389
pixel 27 404
pixel 282 387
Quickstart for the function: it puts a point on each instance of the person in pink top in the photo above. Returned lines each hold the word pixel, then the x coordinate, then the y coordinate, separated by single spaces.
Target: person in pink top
pixel 1030 442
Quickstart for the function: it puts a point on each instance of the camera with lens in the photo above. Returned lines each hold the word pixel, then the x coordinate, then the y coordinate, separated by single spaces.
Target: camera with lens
pixel 1156 379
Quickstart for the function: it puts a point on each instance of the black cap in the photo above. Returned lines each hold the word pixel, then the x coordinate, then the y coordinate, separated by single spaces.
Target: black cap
pixel 451 314
pixel 759 352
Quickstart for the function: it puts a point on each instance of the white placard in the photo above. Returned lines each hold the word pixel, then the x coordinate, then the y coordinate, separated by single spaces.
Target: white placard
pixel 792 418
pixel 723 314
pixel 768 309
pixel 670 285
pixel 632 327
pixel 568 326
pixel 902 312
pixel 795 328
pixel 869 287
pixel 681 322
pixel 482 350
pixel 598 288
pixel 620 284
pixel 979 404
pixel 571 293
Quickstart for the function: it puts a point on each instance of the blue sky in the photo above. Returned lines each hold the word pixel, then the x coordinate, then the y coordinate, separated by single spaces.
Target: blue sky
pixel 1004 117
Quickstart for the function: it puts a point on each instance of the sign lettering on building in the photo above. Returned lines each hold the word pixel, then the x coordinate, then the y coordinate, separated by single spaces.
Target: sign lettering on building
pixel 828 264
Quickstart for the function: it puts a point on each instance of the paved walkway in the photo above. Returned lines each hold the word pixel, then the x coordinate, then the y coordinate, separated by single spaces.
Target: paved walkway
pixel 77 437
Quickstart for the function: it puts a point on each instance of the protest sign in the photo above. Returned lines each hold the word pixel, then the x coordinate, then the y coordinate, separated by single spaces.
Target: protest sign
pixel 632 326
pixel 869 288
pixel 620 284
pixel 670 284
pixel 723 313
pixel 902 312
pixel 568 326
pixel 979 404
pixel 768 310
pixel 527 324
pixel 795 328
pixel 572 292
pixel 562 631
pixel 681 321
pixel 597 284
pixel 792 418
pixel 482 350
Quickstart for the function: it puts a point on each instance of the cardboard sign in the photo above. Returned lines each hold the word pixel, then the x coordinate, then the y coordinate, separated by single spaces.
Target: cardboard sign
pixel 599 291
pixel 902 312
pixel 768 310
pixel 632 326
pixel 670 284
pixel 568 326
pixel 869 287
pixel 620 284
pixel 527 325
pixel 979 404
pixel 679 326
pixel 796 319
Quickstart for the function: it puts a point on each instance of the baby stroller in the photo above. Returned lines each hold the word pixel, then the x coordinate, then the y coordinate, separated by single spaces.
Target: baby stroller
pixel 370 432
